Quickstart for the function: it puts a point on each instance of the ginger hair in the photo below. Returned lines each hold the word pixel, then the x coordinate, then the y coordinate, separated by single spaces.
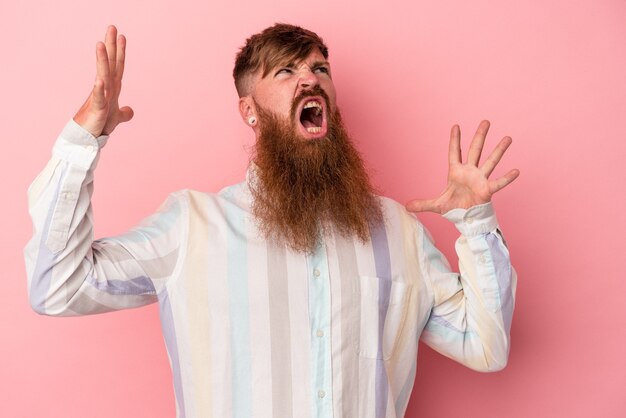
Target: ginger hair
pixel 278 45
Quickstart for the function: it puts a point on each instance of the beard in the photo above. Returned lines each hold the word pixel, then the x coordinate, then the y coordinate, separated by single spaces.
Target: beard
pixel 306 188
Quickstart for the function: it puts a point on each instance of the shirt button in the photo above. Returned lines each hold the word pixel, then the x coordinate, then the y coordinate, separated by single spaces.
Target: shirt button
pixel 482 259
pixel 469 220
pixel 90 148
pixel 316 273
pixel 321 393
pixel 319 333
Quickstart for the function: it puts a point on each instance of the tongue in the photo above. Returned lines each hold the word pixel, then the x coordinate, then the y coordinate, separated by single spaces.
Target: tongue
pixel 310 119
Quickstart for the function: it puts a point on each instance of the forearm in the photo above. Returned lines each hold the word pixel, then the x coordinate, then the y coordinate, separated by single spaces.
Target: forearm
pixel 471 319
pixel 59 203
pixel 68 272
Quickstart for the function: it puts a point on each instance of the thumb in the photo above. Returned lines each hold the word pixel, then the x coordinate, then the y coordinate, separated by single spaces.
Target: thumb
pixel 422 205
pixel 126 114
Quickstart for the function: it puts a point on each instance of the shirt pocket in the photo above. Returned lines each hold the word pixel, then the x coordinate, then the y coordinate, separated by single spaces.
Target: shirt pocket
pixel 384 304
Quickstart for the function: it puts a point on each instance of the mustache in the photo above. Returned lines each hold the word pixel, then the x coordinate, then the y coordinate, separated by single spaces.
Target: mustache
pixel 314 91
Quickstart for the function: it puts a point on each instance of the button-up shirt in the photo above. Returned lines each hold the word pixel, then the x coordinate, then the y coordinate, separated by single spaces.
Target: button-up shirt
pixel 254 329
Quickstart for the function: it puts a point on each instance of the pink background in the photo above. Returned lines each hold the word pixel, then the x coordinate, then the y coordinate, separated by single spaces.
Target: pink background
pixel 551 74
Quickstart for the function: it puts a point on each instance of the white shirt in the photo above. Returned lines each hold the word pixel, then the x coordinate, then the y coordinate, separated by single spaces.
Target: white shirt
pixel 253 329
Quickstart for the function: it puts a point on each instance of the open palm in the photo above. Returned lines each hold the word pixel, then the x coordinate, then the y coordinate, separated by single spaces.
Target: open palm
pixel 468 183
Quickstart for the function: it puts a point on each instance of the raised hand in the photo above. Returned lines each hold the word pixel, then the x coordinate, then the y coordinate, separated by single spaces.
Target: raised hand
pixel 101 113
pixel 468 184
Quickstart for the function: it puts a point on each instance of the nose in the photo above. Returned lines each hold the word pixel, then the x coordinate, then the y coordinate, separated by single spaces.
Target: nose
pixel 308 79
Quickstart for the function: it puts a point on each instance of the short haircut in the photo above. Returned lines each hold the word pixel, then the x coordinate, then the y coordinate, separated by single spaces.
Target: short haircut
pixel 277 45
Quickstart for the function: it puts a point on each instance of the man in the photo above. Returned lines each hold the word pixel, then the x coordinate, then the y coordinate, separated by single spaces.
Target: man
pixel 297 292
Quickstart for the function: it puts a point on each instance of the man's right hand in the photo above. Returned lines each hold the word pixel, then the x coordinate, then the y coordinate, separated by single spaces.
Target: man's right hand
pixel 101 113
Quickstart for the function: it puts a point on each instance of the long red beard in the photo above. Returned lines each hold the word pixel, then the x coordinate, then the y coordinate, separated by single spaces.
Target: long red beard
pixel 306 187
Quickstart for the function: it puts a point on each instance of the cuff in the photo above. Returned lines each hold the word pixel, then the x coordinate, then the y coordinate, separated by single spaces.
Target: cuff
pixel 477 220
pixel 77 146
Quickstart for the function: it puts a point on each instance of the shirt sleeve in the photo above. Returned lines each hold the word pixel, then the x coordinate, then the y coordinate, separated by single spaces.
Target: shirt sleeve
pixel 471 317
pixel 69 273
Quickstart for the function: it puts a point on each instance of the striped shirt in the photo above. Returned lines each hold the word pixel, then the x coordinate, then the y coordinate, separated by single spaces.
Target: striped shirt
pixel 254 329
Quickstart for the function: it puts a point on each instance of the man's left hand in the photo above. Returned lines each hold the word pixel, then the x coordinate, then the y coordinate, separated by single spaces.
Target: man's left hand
pixel 468 184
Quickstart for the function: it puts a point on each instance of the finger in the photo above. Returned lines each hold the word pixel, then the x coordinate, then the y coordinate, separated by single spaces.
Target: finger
pixel 503 181
pixel 102 67
pixel 421 205
pixel 101 60
pixel 121 56
pixel 126 114
pixel 494 158
pixel 476 147
pixel 454 150
pixel 98 95
pixel 110 41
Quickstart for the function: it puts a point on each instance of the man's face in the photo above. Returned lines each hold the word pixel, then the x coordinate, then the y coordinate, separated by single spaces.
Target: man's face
pixel 278 91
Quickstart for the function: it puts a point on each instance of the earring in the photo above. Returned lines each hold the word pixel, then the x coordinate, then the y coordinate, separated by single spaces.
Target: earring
pixel 252 120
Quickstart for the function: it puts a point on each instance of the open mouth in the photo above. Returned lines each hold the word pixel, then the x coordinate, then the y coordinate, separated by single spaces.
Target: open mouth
pixel 313 117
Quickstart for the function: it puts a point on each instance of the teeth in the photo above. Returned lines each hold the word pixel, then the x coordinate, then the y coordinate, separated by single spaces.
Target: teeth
pixel 314 129
pixel 312 104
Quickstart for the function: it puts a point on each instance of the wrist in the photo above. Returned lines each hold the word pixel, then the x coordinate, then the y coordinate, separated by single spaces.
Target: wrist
pixel 476 220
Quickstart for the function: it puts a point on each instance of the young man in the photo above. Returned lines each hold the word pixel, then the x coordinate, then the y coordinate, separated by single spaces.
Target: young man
pixel 297 292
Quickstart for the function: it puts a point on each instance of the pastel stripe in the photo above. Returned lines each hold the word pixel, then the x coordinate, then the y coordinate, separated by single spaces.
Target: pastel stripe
pixel 280 333
pixel 404 377
pixel 299 326
pixel 380 247
pixel 319 313
pixel 350 314
pixel 135 286
pixel 196 294
pixel 169 333
pixel 503 271
pixel 241 356
pixel 402 398
pixel 42 274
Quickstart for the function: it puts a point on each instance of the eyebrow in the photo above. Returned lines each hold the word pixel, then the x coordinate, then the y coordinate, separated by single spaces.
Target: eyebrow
pixel 314 64
pixel 293 64
pixel 317 64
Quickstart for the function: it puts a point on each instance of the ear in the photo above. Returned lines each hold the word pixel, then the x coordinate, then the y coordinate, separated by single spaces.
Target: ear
pixel 247 110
